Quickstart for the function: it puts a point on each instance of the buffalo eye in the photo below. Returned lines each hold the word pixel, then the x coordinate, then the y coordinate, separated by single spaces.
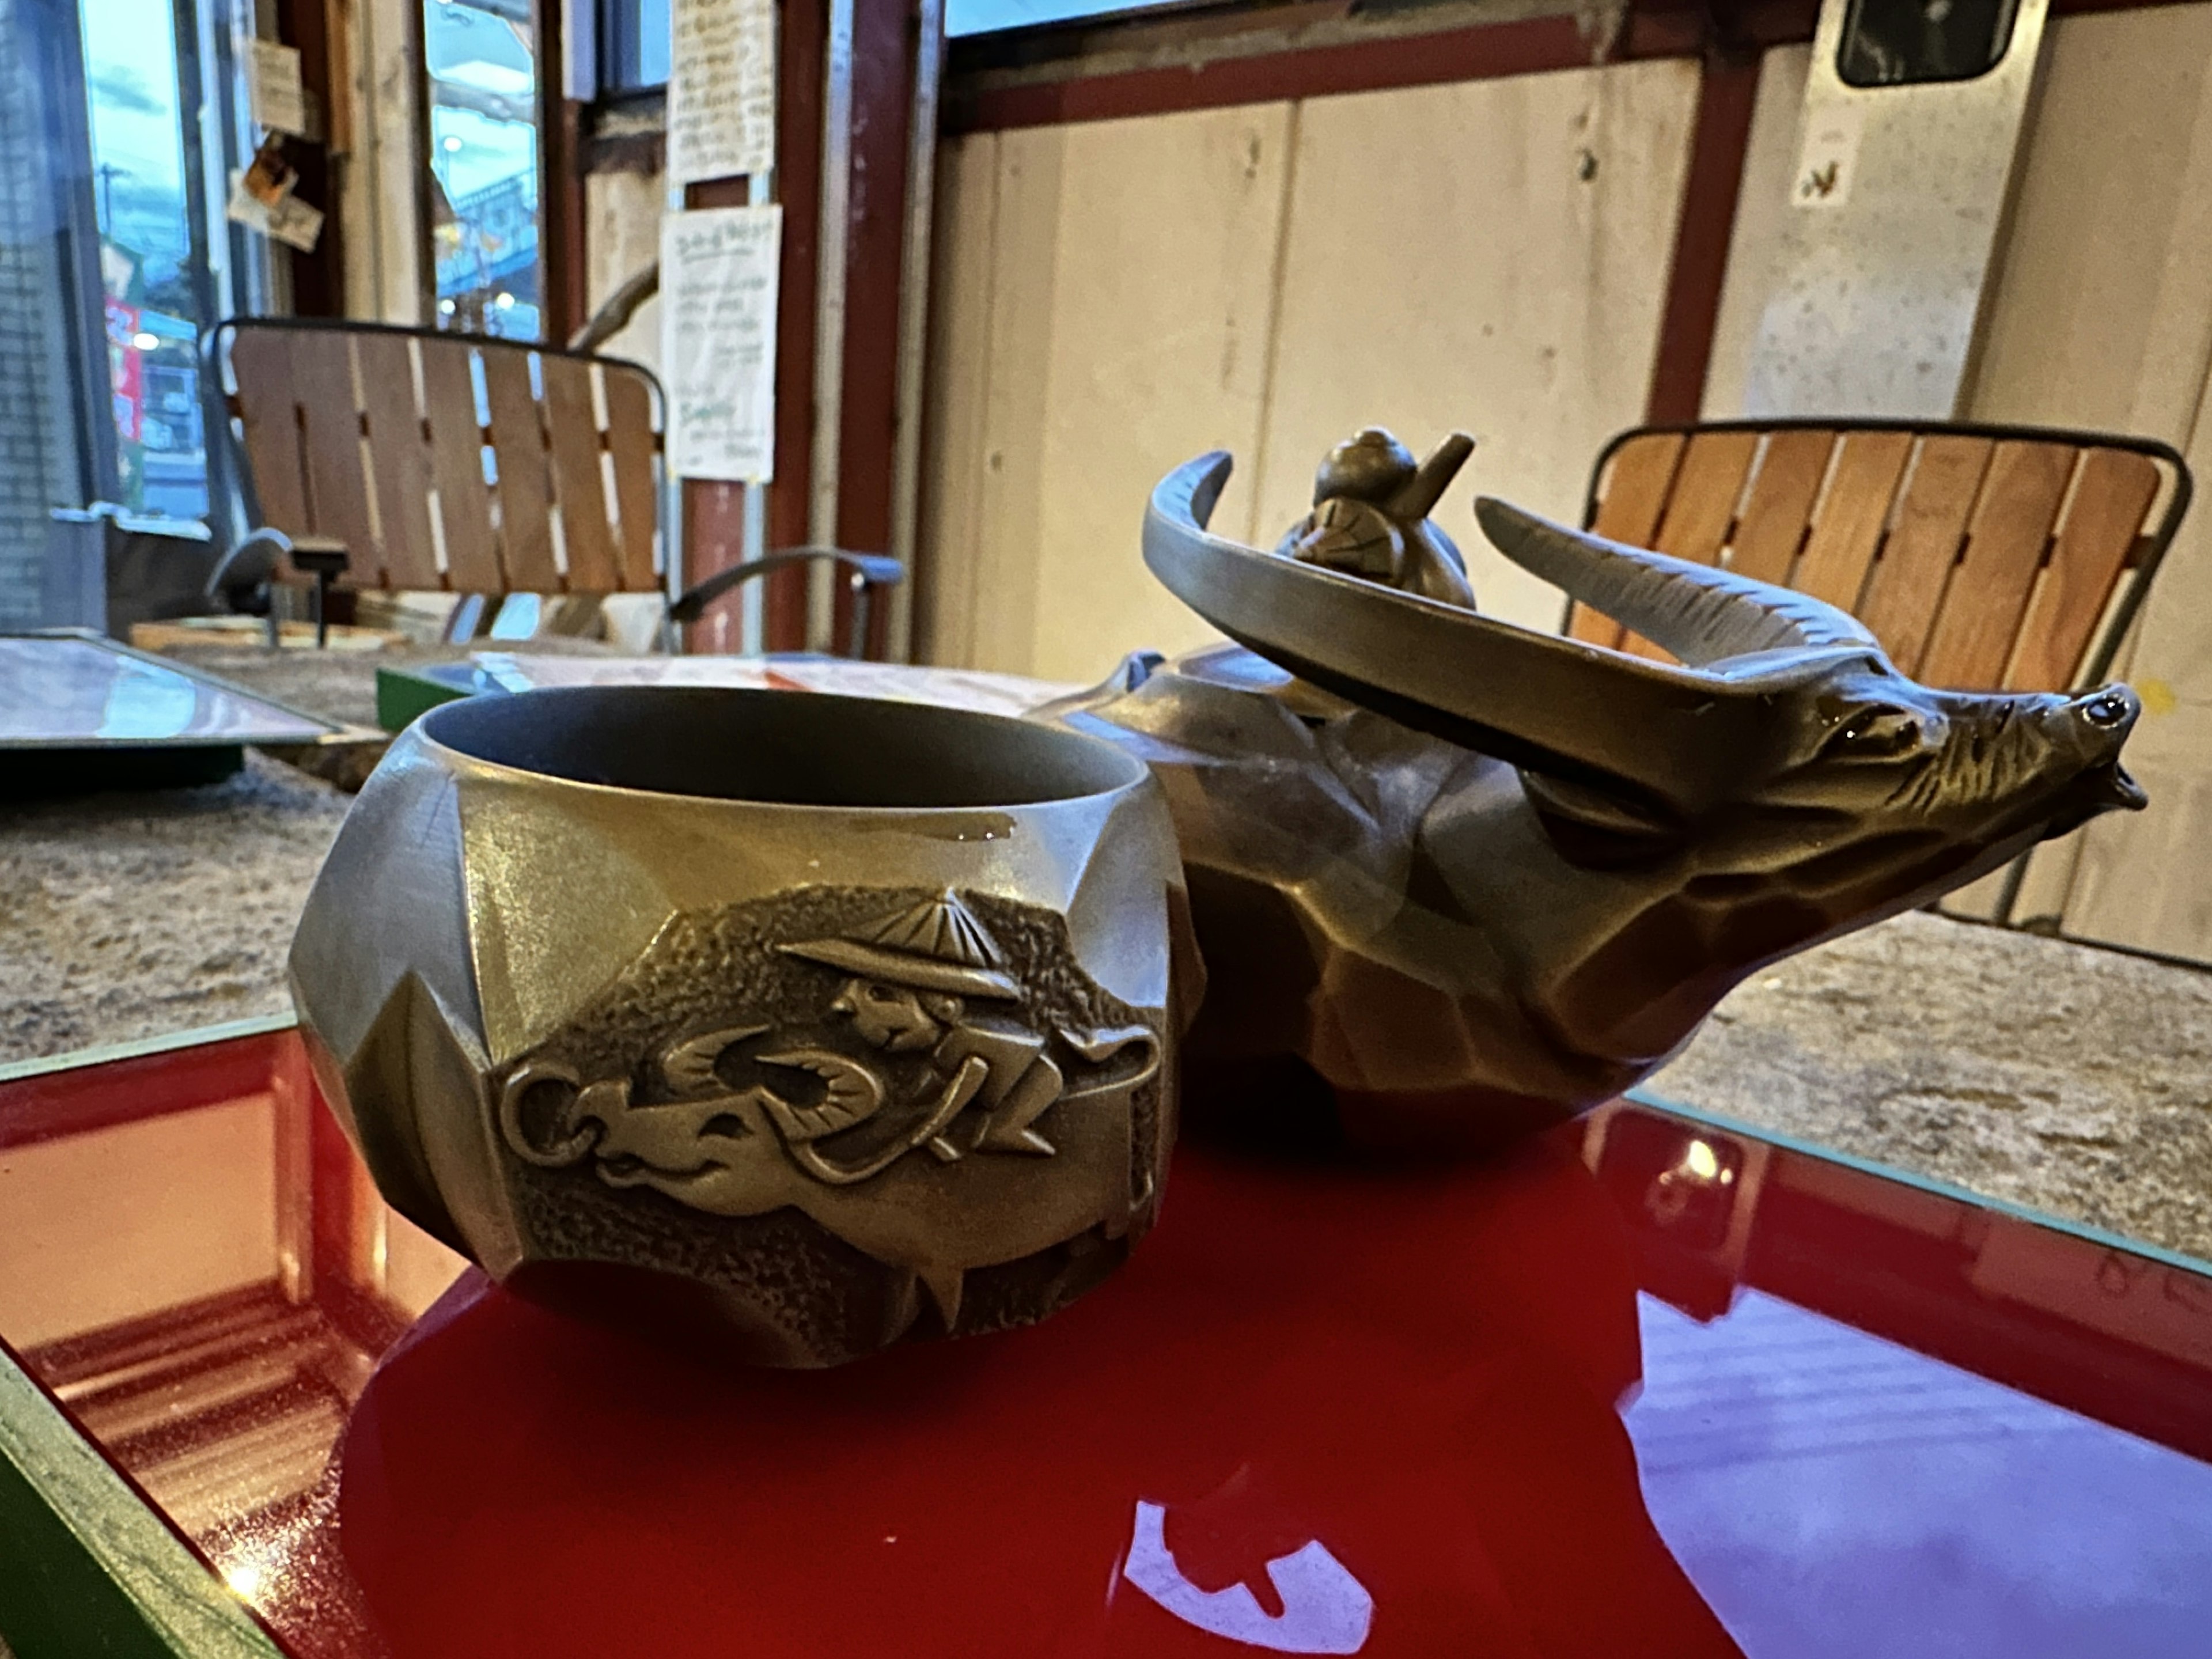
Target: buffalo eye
pixel 1875 732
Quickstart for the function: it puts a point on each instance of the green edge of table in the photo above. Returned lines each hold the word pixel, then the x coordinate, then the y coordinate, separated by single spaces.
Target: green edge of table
pixel 88 1566
pixel 405 696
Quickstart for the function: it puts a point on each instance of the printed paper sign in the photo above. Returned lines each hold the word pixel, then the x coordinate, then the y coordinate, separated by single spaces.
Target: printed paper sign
pixel 279 103
pixel 717 303
pixel 721 88
pixel 1828 161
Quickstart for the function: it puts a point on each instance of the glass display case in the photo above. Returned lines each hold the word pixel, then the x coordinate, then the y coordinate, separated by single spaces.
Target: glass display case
pixel 1651 1384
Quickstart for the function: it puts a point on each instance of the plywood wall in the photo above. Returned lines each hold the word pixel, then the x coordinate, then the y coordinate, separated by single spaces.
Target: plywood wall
pixel 378 118
pixel 622 235
pixel 1115 297
pixel 1104 302
pixel 2101 316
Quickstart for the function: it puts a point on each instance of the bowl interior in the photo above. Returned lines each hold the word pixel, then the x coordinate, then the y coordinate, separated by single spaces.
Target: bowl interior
pixel 782 748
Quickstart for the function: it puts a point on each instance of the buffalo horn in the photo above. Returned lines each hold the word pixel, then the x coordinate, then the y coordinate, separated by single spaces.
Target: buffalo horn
pixel 1700 613
pixel 1675 738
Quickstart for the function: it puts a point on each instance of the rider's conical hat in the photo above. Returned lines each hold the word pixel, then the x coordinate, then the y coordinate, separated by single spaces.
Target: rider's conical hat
pixel 937 945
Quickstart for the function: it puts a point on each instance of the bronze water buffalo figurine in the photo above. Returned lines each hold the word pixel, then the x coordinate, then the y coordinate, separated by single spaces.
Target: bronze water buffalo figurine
pixel 1471 877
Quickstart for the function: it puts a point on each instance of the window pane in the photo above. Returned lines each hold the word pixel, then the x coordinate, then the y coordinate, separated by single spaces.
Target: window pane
pixel 145 247
pixel 634 32
pixel 988 17
pixel 484 158
pixel 651 44
pixel 1895 43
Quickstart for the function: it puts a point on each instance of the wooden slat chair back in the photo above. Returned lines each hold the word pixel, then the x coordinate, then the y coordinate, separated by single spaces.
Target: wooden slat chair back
pixel 450 461
pixel 1983 557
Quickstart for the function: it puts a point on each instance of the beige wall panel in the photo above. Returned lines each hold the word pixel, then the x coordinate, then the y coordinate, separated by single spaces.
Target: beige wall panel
pixel 1131 330
pixel 622 237
pixel 2101 316
pixel 1493 255
pixel 956 440
pixel 1762 208
pixel 1011 484
pixel 381 204
pixel 1102 310
pixel 2144 879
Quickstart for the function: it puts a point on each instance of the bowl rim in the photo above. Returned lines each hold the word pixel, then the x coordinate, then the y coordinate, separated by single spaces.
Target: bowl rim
pixel 1136 775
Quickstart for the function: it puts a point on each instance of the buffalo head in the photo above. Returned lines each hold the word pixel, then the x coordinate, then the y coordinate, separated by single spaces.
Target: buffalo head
pixel 1436 857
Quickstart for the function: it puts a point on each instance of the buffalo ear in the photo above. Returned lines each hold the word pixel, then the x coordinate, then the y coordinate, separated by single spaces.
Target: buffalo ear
pixel 1599 828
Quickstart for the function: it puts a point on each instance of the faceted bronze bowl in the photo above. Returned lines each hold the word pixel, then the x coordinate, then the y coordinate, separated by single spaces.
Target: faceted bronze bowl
pixel 810 1023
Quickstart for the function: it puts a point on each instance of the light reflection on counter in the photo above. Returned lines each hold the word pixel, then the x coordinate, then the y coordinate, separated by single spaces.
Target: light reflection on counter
pixel 63 691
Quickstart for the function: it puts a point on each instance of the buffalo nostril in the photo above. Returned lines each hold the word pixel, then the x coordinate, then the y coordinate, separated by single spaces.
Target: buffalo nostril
pixel 2106 708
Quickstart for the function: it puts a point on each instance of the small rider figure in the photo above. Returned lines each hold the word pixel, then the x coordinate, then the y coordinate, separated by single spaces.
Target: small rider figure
pixel 1370 517
pixel 913 977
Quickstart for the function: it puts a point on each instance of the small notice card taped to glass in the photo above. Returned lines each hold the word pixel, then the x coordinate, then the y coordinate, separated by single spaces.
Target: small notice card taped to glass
pixel 272 82
pixel 721 88
pixel 717 289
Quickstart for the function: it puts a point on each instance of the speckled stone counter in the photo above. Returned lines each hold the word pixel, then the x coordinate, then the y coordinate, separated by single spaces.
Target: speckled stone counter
pixel 2057 1076
pixel 2066 1078
pixel 127 915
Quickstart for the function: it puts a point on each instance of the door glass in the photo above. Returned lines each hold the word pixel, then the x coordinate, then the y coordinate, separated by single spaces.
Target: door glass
pixel 1903 43
pixel 483 162
pixel 145 250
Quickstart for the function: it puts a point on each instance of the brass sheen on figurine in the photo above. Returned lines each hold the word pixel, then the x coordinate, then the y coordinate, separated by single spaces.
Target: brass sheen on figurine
pixel 814 1022
pixel 1456 877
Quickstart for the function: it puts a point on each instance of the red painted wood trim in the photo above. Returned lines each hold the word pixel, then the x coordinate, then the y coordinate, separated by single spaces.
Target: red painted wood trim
pixel 2074 8
pixel 563 260
pixel 1711 189
pixel 803 47
pixel 884 39
pixel 1479 52
pixel 318 278
pixel 1502 49
pixel 1482 52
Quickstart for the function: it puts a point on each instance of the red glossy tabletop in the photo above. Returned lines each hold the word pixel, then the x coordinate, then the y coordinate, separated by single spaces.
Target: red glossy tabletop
pixel 1642 1386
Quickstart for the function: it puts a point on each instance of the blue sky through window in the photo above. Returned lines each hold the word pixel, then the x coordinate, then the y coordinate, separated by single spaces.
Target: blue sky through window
pixel 130 71
pixel 989 17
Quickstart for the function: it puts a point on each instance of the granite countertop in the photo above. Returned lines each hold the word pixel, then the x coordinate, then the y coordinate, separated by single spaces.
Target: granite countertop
pixel 341 685
pixel 129 915
pixel 2057 1076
